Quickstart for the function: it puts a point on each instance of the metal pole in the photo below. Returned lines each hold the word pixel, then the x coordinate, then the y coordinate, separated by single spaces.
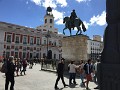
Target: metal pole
pixel 47 46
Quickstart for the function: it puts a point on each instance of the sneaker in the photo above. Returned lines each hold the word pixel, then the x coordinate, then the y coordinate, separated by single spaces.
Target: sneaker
pixel 83 84
pixel 88 88
pixel 96 87
pixel 56 88
pixel 66 85
pixel 75 83
pixel 70 83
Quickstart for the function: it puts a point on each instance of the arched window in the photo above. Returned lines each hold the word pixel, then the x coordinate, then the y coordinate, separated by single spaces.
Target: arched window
pixel 50 20
pixel 45 20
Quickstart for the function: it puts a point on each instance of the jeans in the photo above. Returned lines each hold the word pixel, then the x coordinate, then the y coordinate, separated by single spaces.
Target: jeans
pixel 72 76
pixel 82 77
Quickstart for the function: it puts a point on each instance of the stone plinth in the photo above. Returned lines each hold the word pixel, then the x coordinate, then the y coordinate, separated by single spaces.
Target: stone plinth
pixel 75 47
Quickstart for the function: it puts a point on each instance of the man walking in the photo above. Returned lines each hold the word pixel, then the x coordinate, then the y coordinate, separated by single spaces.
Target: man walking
pixel 82 73
pixel 24 64
pixel 72 72
pixel 10 74
pixel 88 70
pixel 60 71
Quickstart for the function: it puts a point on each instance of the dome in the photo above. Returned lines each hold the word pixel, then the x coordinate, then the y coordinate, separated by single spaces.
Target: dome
pixel 49 9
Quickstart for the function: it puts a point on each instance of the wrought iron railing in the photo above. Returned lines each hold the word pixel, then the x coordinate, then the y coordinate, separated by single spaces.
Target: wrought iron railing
pixel 49 64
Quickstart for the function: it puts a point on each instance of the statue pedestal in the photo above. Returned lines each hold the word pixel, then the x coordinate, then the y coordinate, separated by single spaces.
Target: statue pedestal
pixel 75 47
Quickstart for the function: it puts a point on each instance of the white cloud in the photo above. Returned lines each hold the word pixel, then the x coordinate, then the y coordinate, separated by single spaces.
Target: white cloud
pixel 58 16
pixel 26 26
pixel 86 24
pixel 37 2
pixel 60 21
pixel 102 39
pixel 75 29
pixel 62 2
pixel 96 20
pixel 60 33
pixel 82 1
pixel 99 19
pixel 48 3
pixel 51 3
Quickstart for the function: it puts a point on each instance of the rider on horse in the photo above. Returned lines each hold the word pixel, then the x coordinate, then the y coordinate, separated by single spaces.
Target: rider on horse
pixel 73 17
pixel 73 21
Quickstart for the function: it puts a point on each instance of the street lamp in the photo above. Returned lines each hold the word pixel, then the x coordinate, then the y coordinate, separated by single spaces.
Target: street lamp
pixel 47 36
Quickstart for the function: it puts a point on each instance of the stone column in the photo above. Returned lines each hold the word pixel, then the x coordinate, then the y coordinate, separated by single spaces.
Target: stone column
pixel 110 59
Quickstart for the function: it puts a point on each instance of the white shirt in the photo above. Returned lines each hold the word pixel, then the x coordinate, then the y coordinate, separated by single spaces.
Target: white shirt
pixel 95 66
pixel 72 68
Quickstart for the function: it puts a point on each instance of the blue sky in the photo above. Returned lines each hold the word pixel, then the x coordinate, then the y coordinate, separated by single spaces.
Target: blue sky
pixel 31 13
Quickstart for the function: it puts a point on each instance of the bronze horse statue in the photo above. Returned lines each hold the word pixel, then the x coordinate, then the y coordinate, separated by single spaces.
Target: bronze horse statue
pixel 69 25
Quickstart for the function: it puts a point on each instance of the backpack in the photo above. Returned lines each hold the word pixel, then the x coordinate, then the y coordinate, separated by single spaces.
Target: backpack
pixel 4 68
pixel 85 67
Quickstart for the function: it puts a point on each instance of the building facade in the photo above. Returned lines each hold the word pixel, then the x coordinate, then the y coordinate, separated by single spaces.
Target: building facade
pixel 51 40
pixel 94 47
pixel 19 41
pixel 25 42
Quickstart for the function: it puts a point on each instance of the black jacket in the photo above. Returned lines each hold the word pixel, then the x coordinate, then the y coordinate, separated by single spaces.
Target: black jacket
pixel 10 69
pixel 60 68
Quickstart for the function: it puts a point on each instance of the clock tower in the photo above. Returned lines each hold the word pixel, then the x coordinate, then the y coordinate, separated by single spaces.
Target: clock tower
pixel 48 18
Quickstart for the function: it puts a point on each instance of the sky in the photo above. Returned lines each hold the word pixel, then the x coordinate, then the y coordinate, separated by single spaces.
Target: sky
pixel 31 13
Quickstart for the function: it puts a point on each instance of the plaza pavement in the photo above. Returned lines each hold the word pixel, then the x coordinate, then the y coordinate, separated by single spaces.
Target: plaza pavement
pixel 35 79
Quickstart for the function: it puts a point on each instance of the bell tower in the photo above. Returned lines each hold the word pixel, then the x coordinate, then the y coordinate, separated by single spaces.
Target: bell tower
pixel 48 18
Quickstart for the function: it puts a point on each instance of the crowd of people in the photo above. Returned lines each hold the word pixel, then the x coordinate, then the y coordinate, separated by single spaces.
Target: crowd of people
pixel 13 67
pixel 19 65
pixel 86 70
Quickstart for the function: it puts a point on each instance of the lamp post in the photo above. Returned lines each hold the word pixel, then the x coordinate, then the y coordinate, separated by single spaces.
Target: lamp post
pixel 47 36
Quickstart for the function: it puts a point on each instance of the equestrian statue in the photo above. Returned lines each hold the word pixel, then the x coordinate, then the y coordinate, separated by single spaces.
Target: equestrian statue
pixel 72 22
